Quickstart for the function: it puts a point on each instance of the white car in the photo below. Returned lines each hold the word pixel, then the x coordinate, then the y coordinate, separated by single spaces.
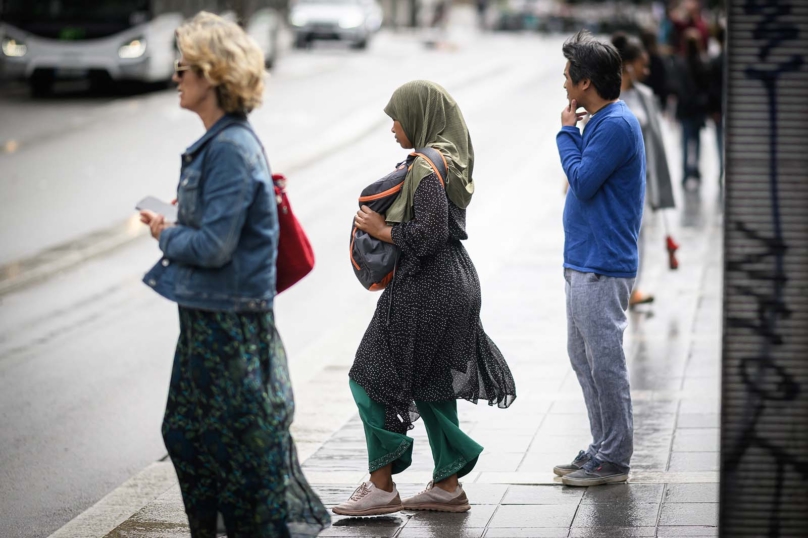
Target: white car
pixel 344 20
pixel 43 41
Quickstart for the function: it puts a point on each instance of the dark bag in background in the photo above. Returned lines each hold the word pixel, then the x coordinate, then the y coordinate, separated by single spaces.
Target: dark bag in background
pixel 374 261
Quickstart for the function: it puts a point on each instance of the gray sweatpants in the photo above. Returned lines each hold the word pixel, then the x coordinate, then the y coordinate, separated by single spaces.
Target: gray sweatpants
pixel 596 319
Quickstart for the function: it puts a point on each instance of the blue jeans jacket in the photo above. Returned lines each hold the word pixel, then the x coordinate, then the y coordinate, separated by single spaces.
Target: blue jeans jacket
pixel 221 253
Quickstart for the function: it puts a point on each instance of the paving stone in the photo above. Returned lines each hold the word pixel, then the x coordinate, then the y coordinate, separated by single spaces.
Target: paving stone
pixel 360 532
pixel 677 532
pixel 694 461
pixel 710 368
pixel 576 407
pixel 692 493
pixel 614 532
pixel 332 495
pixel 363 527
pixel 396 520
pixel 654 422
pixel 565 425
pixel 653 441
pixel 701 405
pixel 543 495
pixel 333 465
pixel 653 408
pixel 485 493
pixel 554 444
pixel 478 516
pixel 494 428
pixel 164 517
pixel 538 515
pixel 537 462
pixel 616 515
pixel 624 493
pixel 660 381
pixel 546 478
pixel 440 532
pixel 494 442
pixel 705 514
pixel 562 532
pixel 499 461
pixel 698 420
pixel 697 440
pixel 702 384
pixel 649 460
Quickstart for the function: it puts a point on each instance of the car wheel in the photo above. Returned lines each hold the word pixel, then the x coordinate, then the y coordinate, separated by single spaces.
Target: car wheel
pixel 362 44
pixel 41 85
pixel 301 42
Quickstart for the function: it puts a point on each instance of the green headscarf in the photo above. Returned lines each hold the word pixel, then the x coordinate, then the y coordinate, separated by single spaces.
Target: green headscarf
pixel 431 118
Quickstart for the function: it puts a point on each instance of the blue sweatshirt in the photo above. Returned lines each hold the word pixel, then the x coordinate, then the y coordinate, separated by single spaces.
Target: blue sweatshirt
pixel 606 171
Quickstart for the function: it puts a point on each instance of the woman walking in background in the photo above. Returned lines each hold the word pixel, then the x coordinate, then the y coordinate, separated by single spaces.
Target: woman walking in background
pixel 230 402
pixel 425 347
pixel 641 101
pixel 691 105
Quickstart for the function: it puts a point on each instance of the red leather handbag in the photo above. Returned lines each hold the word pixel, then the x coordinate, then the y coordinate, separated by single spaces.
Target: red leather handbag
pixel 295 255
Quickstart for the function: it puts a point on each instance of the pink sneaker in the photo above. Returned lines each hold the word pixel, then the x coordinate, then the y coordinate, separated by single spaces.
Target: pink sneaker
pixel 440 500
pixel 368 500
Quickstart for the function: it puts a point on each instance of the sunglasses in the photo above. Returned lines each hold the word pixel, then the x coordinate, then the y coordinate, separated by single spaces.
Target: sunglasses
pixel 180 69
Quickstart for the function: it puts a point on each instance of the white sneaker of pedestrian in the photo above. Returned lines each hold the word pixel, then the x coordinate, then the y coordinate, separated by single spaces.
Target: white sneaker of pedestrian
pixel 440 500
pixel 368 500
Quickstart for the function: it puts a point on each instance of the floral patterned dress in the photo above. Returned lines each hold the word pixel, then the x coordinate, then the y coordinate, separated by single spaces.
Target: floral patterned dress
pixel 226 428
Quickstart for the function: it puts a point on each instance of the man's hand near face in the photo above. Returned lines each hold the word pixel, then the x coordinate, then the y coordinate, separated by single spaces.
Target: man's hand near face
pixel 570 115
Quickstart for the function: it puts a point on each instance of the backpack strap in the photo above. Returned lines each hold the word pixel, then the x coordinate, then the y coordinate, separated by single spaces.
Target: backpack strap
pixel 435 160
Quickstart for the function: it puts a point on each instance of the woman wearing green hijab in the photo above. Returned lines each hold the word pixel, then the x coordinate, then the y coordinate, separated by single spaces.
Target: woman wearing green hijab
pixel 425 347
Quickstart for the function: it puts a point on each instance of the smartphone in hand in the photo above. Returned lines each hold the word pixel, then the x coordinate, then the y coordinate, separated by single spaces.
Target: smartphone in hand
pixel 160 207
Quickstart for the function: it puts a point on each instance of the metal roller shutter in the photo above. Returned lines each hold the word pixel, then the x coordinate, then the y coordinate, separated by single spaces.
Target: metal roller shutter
pixel 764 438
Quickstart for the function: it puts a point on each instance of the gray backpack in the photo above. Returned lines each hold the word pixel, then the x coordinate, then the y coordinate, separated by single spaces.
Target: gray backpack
pixel 374 261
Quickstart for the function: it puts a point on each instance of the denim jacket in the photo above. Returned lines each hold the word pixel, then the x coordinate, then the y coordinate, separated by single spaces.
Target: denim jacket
pixel 221 253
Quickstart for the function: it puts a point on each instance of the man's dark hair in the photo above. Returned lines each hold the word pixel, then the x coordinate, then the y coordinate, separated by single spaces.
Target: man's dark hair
pixel 596 61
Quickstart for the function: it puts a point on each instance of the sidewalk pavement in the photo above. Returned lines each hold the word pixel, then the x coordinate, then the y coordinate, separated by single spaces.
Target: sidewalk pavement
pixel 673 350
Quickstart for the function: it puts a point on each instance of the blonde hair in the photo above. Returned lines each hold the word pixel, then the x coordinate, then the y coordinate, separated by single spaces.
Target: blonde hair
pixel 227 57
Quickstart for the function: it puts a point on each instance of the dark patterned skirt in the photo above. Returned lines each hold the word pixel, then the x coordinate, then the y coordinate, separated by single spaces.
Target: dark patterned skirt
pixel 226 428
pixel 426 341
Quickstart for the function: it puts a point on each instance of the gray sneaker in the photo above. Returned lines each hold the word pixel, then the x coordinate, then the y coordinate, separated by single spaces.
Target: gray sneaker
pixel 595 473
pixel 368 500
pixel 577 464
pixel 439 500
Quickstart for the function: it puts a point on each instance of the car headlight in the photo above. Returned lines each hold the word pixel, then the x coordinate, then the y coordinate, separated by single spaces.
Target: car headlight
pixel 351 21
pixel 134 49
pixel 13 48
pixel 298 20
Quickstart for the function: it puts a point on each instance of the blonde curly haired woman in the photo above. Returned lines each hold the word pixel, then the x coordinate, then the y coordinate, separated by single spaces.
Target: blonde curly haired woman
pixel 230 403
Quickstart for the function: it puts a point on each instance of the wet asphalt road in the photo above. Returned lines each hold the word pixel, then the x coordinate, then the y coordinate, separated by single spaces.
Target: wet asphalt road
pixel 85 356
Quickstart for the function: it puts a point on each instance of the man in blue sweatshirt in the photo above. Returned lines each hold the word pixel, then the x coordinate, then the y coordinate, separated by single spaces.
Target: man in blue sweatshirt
pixel 606 172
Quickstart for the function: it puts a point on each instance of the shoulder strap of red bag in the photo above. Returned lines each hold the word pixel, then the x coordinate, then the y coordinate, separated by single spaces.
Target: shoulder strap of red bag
pixel 258 140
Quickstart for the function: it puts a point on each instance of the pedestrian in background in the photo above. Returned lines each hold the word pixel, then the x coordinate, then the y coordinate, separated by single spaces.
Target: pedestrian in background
pixel 693 80
pixel 605 168
pixel 425 347
pixel 230 403
pixel 686 19
pixel 657 78
pixel 642 103
pixel 715 99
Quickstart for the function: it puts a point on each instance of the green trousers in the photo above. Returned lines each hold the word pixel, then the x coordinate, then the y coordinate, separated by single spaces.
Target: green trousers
pixel 452 450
